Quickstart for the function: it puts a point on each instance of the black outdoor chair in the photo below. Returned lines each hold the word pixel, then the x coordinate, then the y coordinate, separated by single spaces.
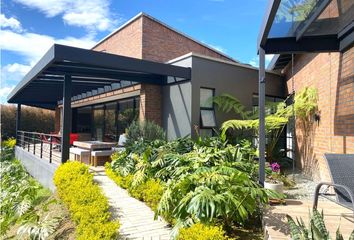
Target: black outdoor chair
pixel 341 168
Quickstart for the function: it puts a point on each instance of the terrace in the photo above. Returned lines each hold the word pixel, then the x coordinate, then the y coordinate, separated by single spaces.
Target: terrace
pixel 66 75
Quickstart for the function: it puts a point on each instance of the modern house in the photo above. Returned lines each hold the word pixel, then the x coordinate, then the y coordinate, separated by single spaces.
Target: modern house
pixel 147 70
pixel 144 70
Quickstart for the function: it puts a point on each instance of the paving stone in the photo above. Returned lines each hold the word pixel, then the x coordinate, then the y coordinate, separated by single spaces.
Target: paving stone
pixel 136 218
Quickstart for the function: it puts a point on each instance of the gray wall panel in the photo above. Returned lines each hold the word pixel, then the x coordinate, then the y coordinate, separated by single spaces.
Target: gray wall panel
pixel 38 168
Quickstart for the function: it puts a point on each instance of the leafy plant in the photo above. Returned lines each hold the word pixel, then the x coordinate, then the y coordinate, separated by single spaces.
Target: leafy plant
pixel 186 182
pixel 147 131
pixel 199 231
pixel 87 205
pixel 315 231
pixel 18 193
pixel 38 229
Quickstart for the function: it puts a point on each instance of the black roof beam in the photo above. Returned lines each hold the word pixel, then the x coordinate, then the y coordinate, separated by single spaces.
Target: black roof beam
pixel 289 45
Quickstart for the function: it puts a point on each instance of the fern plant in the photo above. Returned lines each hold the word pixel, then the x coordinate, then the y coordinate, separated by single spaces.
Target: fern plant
pixel 315 231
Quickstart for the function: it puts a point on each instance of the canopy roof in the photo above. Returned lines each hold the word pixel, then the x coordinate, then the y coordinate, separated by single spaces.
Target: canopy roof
pixel 91 72
pixel 297 26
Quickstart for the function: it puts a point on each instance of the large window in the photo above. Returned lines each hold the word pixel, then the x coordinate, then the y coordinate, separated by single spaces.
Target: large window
pixel 105 122
pixel 110 122
pixel 98 122
pixel 207 112
pixel 84 118
pixel 127 113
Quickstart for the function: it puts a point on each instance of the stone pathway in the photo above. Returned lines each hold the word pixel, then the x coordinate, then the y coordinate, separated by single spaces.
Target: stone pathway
pixel 136 218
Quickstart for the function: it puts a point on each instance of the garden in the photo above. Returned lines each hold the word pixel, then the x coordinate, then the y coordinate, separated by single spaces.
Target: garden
pixel 208 188
pixel 28 210
pixel 78 209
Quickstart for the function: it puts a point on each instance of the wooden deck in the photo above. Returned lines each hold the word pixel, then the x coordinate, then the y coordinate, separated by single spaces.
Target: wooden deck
pixel 275 223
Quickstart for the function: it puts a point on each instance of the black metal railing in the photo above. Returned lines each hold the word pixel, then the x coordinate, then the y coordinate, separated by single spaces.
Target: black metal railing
pixel 43 145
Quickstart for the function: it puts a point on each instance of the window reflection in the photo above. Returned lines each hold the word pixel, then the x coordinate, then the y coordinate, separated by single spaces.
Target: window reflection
pixel 105 122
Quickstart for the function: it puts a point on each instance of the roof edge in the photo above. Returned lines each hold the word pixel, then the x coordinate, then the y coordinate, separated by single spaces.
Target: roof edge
pixel 193 54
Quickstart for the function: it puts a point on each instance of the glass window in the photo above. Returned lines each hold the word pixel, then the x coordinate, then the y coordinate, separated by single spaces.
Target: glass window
pixel 110 133
pixel 98 122
pixel 206 132
pixel 206 96
pixel 84 120
pixel 126 114
pixel 208 118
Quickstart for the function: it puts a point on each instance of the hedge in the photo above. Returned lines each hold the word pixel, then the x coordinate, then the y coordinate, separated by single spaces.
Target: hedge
pixel 150 191
pixel 199 231
pixel 87 205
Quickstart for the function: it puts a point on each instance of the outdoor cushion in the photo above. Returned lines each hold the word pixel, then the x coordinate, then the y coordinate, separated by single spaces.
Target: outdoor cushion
pixel 100 153
pixel 122 139
pixel 118 149
pixel 79 151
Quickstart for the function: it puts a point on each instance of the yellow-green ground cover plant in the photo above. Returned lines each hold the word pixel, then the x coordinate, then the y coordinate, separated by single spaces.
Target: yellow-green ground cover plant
pixel 202 232
pixel 87 205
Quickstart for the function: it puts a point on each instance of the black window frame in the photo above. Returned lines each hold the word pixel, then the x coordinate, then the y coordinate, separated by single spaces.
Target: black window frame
pixel 209 109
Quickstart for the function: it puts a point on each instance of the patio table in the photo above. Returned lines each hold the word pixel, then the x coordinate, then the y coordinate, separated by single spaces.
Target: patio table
pixel 94 145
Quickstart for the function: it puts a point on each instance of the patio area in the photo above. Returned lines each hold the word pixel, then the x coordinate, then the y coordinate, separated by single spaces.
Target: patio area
pixel 275 222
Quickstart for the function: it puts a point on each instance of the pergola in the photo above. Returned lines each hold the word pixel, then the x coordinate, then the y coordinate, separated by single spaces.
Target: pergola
pixel 67 73
pixel 300 26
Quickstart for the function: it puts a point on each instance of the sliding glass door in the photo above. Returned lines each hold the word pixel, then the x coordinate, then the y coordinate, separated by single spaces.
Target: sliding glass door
pixel 105 122
pixel 110 122
pixel 98 122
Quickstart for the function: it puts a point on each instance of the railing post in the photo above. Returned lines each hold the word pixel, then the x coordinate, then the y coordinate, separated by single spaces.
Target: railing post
pixel 18 120
pixel 28 142
pixel 41 154
pixel 50 149
pixel 34 143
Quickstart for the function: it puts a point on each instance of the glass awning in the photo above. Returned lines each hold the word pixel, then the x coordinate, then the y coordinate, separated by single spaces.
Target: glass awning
pixel 292 26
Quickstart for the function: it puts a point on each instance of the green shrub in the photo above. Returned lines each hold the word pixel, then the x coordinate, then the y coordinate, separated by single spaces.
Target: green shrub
pixel 150 191
pixel 9 143
pixel 44 120
pixel 199 231
pixel 86 203
pixel 147 130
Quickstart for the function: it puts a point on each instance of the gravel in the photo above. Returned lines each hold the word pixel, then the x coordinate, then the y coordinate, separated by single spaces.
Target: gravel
pixel 304 188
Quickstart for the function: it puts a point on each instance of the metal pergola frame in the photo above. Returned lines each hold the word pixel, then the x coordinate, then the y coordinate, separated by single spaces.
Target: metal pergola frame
pixel 66 73
pixel 287 46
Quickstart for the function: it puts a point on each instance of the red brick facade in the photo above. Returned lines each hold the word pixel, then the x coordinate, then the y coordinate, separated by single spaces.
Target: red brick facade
pixel 333 75
pixel 147 38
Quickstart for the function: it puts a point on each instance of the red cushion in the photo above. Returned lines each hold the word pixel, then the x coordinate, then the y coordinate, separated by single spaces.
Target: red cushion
pixel 73 137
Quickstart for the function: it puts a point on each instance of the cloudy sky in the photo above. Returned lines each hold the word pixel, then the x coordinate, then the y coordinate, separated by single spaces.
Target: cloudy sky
pixel 30 27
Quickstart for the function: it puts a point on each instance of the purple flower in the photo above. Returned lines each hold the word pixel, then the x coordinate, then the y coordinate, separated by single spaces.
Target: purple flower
pixel 275 167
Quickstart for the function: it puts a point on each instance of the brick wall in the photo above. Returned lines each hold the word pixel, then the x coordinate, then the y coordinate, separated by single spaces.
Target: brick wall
pixel 150 103
pixel 333 75
pixel 126 42
pixel 162 44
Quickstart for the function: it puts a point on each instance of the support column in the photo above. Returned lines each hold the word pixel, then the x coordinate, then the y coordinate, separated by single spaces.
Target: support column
pixel 261 106
pixel 66 119
pixel 18 121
